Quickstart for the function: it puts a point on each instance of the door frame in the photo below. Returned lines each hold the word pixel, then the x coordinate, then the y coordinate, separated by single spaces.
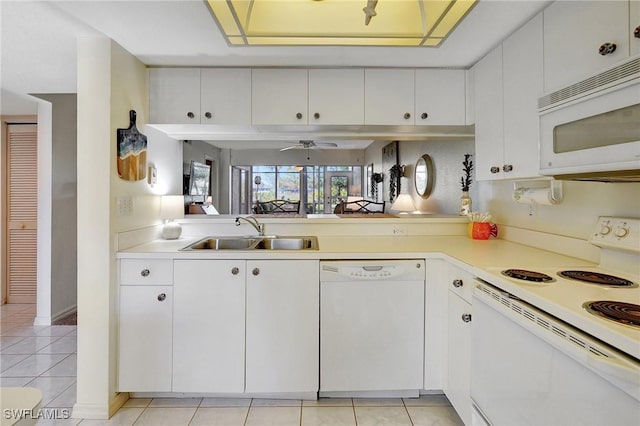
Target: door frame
pixel 5 121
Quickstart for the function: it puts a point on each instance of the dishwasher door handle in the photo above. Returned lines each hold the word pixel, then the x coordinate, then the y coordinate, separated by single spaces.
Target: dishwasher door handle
pixel 373 268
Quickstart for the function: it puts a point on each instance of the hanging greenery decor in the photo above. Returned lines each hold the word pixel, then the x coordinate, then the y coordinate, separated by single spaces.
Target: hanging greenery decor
pixel 395 173
pixel 376 178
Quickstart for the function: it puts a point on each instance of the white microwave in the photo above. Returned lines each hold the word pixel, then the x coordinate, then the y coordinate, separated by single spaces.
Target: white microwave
pixel 595 136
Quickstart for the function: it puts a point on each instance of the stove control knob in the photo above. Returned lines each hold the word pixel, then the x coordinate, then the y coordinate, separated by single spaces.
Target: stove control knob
pixel 622 232
pixel 605 229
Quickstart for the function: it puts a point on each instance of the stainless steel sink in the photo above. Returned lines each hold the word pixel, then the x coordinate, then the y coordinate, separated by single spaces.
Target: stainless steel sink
pixel 289 243
pixel 255 243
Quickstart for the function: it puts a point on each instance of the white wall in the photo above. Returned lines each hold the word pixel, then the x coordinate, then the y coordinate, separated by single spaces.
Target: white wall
pixel 110 83
pixel 63 205
pixel 447 157
pixel 575 217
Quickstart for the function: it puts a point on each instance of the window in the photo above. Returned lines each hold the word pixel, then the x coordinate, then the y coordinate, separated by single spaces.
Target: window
pixel 319 188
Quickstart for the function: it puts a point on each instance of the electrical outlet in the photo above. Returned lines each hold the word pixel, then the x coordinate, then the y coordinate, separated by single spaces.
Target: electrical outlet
pixel 124 206
pixel 399 230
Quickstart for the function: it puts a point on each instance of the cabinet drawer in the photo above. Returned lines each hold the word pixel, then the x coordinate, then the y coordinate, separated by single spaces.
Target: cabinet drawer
pixel 461 283
pixel 146 272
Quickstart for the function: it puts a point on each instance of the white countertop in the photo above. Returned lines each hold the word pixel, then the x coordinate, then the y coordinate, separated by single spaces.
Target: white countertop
pixel 483 259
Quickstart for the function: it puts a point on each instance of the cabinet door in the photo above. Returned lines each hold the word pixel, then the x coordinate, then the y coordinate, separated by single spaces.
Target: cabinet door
pixel 634 25
pixel 225 96
pixel 440 97
pixel 282 326
pixel 522 85
pixel 489 116
pixel 435 324
pixel 389 96
pixel 174 95
pixel 145 336
pixel 208 324
pixel 573 33
pixel 279 96
pixel 458 380
pixel 336 96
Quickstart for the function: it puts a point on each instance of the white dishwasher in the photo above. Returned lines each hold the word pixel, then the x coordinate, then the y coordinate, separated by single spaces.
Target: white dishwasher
pixel 371 327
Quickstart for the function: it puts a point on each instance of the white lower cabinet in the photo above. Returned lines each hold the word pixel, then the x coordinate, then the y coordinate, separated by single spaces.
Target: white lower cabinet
pixel 209 326
pixel 282 338
pixel 145 338
pixel 458 382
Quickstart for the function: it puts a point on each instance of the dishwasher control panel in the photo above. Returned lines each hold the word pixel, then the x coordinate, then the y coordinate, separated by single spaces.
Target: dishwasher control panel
pixel 386 270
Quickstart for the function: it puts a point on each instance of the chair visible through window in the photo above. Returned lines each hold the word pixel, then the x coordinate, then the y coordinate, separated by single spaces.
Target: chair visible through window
pixel 277 206
pixel 359 206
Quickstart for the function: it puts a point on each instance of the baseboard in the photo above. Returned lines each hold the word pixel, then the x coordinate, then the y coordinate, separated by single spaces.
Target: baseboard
pixel 70 310
pixel 99 411
pixel 42 320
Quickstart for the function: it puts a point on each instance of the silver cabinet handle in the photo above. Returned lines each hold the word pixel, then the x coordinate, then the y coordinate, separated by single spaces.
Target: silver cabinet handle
pixel 457 283
pixel 208 114
pixel 466 317
pixel 407 115
pixel 299 116
pixel 316 115
pixel 494 169
pixel 145 272
pixel 256 271
pixel 235 270
pixel 191 115
pixel 162 297
pixel 507 168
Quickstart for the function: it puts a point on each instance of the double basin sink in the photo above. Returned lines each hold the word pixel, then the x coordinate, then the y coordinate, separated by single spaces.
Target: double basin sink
pixel 274 242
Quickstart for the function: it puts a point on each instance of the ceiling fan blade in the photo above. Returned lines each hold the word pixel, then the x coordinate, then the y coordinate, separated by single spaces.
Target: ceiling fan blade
pixel 331 144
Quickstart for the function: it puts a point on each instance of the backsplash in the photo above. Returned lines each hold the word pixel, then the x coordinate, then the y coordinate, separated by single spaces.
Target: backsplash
pixel 574 217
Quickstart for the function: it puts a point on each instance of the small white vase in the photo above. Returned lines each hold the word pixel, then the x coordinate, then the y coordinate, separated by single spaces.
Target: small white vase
pixel 465 203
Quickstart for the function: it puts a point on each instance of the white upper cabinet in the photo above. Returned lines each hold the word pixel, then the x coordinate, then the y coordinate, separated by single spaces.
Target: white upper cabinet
pixel 336 96
pixel 440 97
pixel 489 116
pixel 522 86
pixel 225 96
pixel 174 95
pixel 575 31
pixel 389 96
pixel 634 25
pixel 508 83
pixel 279 96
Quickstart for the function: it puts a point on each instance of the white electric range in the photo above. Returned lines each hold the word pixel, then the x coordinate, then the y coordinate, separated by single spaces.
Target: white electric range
pixel 617 278
pixel 546 347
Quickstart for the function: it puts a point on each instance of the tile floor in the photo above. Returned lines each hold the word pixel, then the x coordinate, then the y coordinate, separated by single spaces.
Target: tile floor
pixel 45 357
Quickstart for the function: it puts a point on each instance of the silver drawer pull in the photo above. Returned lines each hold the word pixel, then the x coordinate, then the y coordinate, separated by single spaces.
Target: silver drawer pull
pixel 235 270
pixel 256 271
pixel 162 297
pixel 457 283
pixel 466 317
pixel 145 272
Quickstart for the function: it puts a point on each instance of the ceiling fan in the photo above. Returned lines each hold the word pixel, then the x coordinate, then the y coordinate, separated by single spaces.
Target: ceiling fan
pixel 307 144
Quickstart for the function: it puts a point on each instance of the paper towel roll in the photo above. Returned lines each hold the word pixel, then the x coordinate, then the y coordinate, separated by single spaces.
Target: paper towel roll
pixel 534 196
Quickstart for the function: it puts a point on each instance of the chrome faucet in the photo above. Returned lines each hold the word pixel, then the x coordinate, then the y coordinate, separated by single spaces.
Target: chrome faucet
pixel 253 222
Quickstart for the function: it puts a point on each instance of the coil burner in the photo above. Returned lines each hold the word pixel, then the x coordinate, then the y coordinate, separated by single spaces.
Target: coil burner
pixel 620 312
pixel 596 278
pixel 523 274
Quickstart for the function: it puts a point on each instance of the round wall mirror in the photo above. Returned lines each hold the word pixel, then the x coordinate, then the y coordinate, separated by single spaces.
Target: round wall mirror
pixel 423 176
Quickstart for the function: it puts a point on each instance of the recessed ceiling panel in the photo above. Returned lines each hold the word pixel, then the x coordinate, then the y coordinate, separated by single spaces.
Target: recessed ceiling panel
pixel 338 22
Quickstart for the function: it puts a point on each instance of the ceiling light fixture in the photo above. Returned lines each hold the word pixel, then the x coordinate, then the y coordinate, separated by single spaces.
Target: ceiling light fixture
pixel 419 23
pixel 369 11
